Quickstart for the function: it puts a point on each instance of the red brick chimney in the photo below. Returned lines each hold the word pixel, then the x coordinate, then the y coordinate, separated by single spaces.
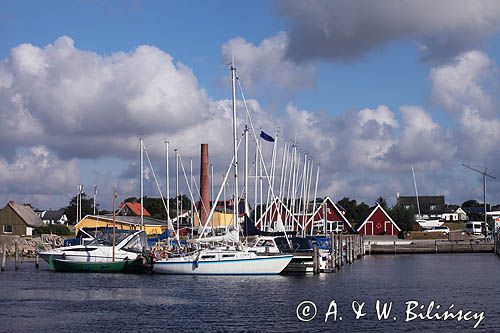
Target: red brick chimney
pixel 204 185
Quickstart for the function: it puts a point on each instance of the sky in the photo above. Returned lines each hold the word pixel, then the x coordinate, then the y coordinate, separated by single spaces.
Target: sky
pixel 366 88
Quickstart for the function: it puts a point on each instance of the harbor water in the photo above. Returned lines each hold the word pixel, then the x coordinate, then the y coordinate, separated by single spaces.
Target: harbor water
pixel 42 301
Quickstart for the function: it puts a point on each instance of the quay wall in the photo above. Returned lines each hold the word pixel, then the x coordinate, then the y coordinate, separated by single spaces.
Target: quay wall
pixel 430 247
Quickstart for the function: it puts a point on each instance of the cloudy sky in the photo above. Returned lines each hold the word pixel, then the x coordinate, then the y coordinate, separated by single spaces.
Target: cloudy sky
pixel 367 89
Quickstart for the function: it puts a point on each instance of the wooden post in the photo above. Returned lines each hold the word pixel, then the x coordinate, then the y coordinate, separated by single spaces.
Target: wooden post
pixel 337 252
pixel 4 256
pixel 350 249
pixel 332 251
pixel 37 263
pixel 16 255
pixel 316 260
pixel 342 241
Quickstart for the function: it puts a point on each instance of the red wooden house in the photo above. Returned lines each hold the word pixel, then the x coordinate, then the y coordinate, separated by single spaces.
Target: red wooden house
pixel 334 216
pixel 378 223
pixel 277 211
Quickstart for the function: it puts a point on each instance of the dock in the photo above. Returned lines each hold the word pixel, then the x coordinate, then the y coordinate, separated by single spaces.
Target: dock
pixel 345 249
pixel 427 246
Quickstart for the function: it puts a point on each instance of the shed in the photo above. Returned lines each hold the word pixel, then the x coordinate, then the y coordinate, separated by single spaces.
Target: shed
pixel 16 219
pixel 151 226
pixel 378 223
pixel 329 212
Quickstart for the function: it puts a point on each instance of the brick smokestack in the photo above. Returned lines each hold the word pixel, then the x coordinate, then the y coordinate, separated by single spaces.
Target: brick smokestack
pixel 204 184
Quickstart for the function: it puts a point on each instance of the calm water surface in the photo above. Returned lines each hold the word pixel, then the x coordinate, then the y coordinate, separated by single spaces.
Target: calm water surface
pixel 43 301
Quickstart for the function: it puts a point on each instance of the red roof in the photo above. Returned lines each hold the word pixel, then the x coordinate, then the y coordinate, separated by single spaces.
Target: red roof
pixel 135 208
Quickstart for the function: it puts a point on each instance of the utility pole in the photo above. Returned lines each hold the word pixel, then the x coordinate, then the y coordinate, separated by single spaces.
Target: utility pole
pixel 484 191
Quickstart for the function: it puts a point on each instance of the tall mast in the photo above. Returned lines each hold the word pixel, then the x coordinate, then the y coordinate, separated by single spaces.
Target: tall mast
pixel 314 203
pixel 177 187
pixel 192 202
pixel 167 182
pixel 235 150
pixel 142 183
pixel 416 192
pixel 114 224
pixel 247 208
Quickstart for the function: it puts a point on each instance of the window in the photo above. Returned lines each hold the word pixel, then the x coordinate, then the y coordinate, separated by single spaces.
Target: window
pixel 208 257
pixel 7 229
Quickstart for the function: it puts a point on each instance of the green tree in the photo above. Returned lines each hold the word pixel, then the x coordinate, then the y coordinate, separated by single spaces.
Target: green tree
pixel 87 208
pixel 471 203
pixel 382 202
pixel 404 217
pixel 355 212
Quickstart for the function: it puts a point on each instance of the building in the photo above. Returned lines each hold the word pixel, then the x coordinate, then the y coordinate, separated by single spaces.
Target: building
pixel 277 216
pixel 222 216
pixel 151 226
pixel 378 223
pixel 453 213
pixel 329 217
pixel 430 206
pixel 16 219
pixel 131 209
pixel 53 216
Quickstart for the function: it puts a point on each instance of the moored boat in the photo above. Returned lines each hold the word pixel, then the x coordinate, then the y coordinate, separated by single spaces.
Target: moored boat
pixel 223 261
pixel 99 255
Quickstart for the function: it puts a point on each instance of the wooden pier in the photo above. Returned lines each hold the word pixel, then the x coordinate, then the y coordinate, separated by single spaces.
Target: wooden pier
pixel 345 250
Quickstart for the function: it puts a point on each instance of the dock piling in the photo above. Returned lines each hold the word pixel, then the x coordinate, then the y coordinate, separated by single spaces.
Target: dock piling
pixel 16 255
pixel 4 256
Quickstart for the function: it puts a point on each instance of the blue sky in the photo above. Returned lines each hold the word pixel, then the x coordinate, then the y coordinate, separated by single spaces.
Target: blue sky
pixel 324 61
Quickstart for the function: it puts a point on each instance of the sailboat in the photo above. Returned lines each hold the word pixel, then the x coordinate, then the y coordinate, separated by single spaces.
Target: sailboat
pixel 231 258
pixel 424 223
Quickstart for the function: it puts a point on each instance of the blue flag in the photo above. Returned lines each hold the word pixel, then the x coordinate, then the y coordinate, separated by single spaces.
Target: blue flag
pixel 266 136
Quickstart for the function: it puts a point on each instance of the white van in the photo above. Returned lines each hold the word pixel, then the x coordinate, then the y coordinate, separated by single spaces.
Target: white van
pixel 475 227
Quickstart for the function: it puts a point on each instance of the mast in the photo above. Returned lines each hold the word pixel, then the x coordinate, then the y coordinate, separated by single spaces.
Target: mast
pixel 245 197
pixel 142 183
pixel 211 193
pixel 192 202
pixel 314 203
pixel 235 150
pixel 167 180
pixel 416 192
pixel 95 197
pixel 177 187
pixel 114 224
pixel 255 184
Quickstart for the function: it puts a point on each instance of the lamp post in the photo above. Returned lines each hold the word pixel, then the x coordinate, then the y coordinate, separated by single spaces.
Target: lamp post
pixel 484 192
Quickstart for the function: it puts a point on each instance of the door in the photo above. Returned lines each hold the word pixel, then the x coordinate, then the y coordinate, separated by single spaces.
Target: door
pixel 369 228
pixel 388 228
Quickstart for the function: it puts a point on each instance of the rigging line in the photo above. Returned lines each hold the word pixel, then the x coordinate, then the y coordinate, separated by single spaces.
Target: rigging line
pixel 259 149
pixel 170 225
pixel 189 187
pixel 219 193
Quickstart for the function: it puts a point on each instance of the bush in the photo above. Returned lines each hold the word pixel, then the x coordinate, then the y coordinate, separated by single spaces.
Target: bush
pixel 55 229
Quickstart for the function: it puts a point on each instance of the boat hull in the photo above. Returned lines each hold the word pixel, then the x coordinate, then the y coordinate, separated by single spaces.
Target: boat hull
pixel 251 266
pixel 122 266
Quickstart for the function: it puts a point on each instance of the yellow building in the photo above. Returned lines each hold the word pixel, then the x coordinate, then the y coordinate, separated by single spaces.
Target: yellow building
pixel 219 220
pixel 151 226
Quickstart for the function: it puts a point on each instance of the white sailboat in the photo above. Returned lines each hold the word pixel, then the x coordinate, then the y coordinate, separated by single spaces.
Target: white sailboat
pixel 424 223
pixel 229 259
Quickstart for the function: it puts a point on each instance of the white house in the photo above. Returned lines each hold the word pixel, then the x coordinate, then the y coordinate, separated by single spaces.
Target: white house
pixel 454 214
pixel 53 216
